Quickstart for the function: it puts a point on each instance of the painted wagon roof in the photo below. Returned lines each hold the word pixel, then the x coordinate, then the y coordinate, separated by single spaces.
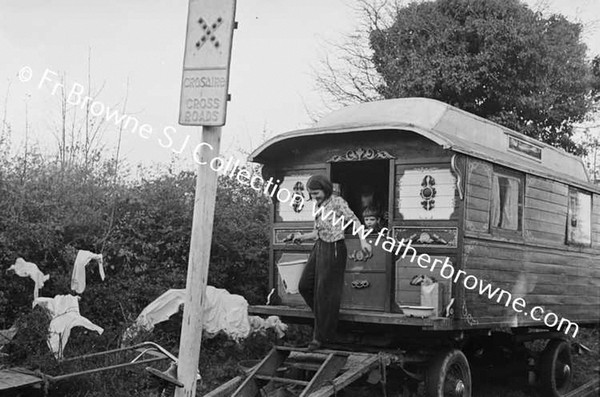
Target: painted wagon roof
pixel 449 127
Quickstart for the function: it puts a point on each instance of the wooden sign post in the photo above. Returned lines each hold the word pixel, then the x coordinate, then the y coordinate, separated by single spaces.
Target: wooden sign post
pixel 203 102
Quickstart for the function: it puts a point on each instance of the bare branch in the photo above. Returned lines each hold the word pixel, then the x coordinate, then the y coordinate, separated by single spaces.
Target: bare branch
pixel 345 73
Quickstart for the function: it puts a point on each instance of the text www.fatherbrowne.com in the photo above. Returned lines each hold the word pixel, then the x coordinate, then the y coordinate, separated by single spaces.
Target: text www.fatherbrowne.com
pixel 448 272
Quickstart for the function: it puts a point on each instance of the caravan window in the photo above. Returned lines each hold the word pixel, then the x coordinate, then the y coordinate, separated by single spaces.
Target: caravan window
pixel 506 211
pixel 579 227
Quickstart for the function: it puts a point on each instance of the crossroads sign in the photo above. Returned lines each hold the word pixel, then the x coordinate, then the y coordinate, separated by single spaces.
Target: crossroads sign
pixel 206 62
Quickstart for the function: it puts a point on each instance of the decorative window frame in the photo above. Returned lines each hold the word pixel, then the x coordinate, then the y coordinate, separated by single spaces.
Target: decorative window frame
pixel 523 148
pixel 499 231
pixel 567 228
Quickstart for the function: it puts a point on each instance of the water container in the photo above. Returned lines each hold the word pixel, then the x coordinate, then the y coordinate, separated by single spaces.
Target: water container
pixel 290 273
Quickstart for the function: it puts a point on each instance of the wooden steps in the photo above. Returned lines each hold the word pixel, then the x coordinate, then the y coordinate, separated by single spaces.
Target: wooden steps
pixel 329 371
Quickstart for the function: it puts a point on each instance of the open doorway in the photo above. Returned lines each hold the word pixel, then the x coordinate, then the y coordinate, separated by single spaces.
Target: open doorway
pixel 363 183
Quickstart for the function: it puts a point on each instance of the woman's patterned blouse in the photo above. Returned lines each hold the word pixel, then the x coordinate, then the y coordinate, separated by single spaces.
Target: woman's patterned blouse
pixel 336 212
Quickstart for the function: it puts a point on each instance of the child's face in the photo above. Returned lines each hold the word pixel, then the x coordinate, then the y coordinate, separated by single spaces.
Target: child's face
pixel 371 221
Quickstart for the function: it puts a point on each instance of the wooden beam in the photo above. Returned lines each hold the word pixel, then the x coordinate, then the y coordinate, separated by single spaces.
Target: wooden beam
pixel 226 388
pixel 267 367
pixel 328 371
pixel 202 228
pixel 347 377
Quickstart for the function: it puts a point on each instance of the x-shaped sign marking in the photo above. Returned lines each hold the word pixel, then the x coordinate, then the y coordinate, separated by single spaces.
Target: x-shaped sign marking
pixel 209 32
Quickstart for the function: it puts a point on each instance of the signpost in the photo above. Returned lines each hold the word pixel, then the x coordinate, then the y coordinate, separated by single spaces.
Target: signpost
pixel 204 103
pixel 206 62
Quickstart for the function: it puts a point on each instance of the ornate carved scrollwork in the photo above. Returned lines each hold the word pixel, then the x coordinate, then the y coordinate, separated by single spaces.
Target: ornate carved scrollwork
pixel 427 236
pixel 428 192
pixel 428 239
pixel 468 317
pixel 359 256
pixel 361 154
pixel 459 177
pixel 360 284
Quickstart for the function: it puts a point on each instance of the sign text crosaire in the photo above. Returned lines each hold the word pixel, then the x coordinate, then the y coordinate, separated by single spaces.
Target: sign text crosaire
pixel 206 62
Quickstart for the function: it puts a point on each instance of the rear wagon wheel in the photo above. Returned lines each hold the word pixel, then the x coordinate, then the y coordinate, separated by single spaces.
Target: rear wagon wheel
pixel 448 375
pixel 556 368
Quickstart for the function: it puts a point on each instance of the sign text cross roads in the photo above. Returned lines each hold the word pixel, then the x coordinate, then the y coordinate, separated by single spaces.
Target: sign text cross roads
pixel 206 62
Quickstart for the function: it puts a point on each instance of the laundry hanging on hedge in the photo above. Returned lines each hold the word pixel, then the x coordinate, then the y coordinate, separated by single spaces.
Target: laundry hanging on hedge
pixel 28 269
pixel 223 312
pixel 64 310
pixel 161 309
pixel 81 261
pixel 261 325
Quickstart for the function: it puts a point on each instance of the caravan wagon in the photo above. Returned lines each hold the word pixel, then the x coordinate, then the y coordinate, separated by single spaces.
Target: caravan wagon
pixel 506 209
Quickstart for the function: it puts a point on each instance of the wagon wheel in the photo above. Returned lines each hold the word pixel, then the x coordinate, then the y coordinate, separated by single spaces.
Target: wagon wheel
pixel 556 368
pixel 448 375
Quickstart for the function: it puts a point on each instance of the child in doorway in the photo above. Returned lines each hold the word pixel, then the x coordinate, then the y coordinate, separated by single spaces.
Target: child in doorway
pixel 368 200
pixel 372 219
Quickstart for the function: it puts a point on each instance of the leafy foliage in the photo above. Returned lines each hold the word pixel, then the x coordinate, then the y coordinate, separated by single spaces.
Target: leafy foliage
pixel 142 228
pixel 495 58
pixel 28 346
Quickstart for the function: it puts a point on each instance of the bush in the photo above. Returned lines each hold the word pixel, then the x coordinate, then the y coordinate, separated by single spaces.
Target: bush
pixel 142 228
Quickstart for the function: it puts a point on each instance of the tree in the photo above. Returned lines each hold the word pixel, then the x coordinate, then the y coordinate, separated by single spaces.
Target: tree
pixel 495 58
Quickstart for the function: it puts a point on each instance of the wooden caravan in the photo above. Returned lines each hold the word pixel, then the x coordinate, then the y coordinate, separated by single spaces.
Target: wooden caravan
pixel 499 206
pixel 507 209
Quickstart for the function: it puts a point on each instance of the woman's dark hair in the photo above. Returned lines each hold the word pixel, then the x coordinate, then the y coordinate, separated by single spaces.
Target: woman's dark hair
pixel 320 182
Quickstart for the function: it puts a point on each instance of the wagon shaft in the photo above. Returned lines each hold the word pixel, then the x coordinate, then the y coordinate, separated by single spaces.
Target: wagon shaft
pixel 18 377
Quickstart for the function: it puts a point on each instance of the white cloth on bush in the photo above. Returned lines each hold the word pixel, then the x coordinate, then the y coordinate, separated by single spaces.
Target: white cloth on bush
pixel 225 312
pixel 28 269
pixel 260 325
pixel 161 309
pixel 64 310
pixel 222 312
pixel 81 261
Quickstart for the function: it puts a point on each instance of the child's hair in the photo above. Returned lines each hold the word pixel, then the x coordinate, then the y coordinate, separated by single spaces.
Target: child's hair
pixel 371 211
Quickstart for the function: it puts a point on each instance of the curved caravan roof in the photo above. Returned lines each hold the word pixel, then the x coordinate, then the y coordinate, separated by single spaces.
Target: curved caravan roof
pixel 449 127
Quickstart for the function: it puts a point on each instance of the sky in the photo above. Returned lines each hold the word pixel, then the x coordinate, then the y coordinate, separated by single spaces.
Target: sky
pixel 277 44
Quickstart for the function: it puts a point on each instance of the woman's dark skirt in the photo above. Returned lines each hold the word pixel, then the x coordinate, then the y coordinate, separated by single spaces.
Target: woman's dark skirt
pixel 321 286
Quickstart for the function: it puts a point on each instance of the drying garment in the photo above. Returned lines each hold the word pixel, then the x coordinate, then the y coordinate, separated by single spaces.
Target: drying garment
pixel 222 312
pixel 260 325
pixel 225 312
pixel 64 310
pixel 161 309
pixel 81 261
pixel 28 269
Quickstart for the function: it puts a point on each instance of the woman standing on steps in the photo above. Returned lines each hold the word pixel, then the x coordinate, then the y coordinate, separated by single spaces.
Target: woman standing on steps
pixel 322 281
